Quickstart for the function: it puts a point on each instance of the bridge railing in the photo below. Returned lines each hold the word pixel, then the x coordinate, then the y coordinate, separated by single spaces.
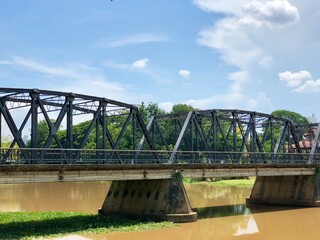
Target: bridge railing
pixel 93 156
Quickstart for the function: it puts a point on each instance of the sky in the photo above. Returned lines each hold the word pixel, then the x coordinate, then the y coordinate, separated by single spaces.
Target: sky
pixel 257 55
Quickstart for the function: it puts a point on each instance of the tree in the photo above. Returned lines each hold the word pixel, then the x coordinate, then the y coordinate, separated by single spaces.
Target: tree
pixel 150 110
pixel 182 108
pixel 294 117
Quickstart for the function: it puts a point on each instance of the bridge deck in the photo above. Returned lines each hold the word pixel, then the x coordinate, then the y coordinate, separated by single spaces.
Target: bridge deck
pixel 55 173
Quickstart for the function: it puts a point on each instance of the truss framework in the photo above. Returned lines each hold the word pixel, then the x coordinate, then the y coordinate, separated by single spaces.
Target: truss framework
pixel 66 106
pixel 206 132
pixel 232 130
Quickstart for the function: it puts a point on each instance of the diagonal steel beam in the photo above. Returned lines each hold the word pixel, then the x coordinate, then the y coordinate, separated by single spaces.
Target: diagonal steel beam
pixel 54 128
pixel 181 135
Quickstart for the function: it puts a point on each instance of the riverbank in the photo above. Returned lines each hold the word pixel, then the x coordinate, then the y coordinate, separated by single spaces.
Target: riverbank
pixel 32 225
pixel 246 182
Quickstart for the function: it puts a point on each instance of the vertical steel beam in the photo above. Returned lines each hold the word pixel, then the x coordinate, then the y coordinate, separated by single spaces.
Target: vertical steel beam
pixel 234 124
pixel 1 157
pixel 315 144
pixel 134 130
pixel 191 134
pixel 253 130
pixel 97 133
pixel 70 121
pixel 215 132
pixel 272 134
pixel 104 125
pixel 34 118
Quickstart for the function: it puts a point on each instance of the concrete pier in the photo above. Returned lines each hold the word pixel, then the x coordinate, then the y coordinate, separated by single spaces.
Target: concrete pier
pixel 162 199
pixel 299 190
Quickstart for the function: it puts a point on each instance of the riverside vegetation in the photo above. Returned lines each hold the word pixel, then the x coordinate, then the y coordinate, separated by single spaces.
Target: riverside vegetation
pixel 221 182
pixel 31 225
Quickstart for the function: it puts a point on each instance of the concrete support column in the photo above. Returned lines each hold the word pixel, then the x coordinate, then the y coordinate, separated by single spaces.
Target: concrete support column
pixel 163 199
pixel 302 190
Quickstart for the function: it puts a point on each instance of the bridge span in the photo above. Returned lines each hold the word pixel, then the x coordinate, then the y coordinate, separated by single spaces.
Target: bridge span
pixel 146 162
pixel 116 172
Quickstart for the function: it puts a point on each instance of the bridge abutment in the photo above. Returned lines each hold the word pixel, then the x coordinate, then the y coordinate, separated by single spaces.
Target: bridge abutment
pixel 161 199
pixel 302 190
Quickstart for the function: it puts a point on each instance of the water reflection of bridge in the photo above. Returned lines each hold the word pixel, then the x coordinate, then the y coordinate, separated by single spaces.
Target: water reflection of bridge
pixel 115 144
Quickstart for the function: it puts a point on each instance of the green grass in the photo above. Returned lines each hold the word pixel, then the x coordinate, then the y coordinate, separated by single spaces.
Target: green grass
pixel 225 183
pixel 30 225
pixel 235 182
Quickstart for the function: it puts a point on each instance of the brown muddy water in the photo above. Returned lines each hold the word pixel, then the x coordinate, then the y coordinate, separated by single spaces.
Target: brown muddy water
pixel 222 212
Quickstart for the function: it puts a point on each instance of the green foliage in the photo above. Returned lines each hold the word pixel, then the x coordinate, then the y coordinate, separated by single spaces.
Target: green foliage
pixel 150 110
pixel 182 108
pixel 294 117
pixel 169 128
pixel 30 225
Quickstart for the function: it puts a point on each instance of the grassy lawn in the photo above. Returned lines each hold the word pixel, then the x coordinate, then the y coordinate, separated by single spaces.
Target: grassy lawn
pixel 30 225
pixel 235 182
pixel 224 183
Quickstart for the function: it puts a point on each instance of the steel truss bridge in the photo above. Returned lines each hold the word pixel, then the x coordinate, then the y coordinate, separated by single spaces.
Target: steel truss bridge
pixel 44 129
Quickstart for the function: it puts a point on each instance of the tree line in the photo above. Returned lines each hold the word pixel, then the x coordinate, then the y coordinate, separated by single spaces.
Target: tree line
pixel 165 141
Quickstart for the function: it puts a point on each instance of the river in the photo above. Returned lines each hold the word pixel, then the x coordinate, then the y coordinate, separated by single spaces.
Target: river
pixel 222 212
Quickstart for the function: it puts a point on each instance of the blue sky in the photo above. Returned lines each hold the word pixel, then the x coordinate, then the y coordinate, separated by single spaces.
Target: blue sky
pixel 247 54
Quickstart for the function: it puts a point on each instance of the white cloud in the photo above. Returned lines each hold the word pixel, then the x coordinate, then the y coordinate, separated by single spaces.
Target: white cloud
pixel 140 66
pixel 274 12
pixel 238 76
pixel 78 78
pixel 310 86
pixel 235 87
pixel 231 99
pixel 133 39
pixel 232 42
pixel 260 103
pixel 259 37
pixel 141 63
pixel 184 73
pixel 167 106
pixel 238 37
pixel 294 79
pixel 3 62
pixel 249 21
pixel 114 65
pixel 221 6
pixel 279 12
pixel 265 61
pixel 32 65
